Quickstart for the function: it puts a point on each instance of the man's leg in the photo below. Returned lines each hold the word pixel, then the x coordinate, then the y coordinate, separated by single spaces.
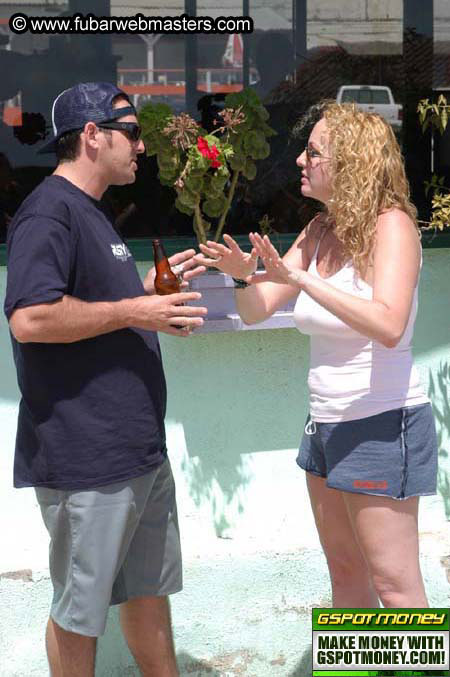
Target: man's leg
pixel 89 531
pixel 69 654
pixel 147 628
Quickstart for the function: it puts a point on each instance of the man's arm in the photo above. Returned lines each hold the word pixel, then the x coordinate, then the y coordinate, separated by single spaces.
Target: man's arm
pixel 69 319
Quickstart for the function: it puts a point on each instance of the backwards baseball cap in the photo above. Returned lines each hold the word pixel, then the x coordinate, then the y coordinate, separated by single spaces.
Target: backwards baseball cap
pixel 85 102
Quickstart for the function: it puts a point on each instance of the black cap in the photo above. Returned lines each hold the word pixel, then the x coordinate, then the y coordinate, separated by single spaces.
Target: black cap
pixel 85 102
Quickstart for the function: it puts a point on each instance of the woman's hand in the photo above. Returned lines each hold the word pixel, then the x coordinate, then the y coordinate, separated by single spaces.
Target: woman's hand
pixel 228 259
pixel 276 269
pixel 183 264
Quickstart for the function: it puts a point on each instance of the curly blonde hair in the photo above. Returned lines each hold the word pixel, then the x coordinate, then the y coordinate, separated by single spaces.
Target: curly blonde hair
pixel 367 175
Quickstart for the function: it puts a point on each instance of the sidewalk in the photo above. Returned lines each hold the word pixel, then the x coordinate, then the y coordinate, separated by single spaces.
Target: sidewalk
pixel 238 615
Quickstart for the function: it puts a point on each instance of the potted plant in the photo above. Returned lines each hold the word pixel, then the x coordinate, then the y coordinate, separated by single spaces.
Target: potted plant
pixel 204 169
pixel 436 115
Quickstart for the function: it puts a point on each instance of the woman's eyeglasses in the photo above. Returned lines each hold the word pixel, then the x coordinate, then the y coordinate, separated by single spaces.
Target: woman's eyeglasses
pixel 131 129
pixel 313 154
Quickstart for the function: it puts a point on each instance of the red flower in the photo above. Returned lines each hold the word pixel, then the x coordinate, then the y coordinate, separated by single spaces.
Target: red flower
pixel 213 155
pixel 202 145
pixel 209 152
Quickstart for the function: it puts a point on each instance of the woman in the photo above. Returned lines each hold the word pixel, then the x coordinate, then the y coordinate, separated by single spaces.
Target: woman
pixel 369 446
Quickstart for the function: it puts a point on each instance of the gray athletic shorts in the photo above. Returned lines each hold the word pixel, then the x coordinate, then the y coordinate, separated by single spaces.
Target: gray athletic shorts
pixel 110 544
pixel 391 454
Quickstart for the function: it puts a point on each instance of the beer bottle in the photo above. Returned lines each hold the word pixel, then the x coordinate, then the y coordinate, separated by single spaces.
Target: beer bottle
pixel 166 282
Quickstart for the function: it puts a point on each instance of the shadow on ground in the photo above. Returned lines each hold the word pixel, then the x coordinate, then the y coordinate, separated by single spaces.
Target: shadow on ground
pixel 194 667
pixel 304 668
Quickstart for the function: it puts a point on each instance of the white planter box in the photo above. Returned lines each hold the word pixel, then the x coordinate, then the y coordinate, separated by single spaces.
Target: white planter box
pixel 217 291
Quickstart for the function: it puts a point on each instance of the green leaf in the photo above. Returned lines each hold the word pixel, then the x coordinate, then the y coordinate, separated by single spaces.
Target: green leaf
pixel 214 207
pixel 249 170
pixel 444 118
pixel 268 131
pixel 215 186
pixel 154 117
pixel 194 183
pixel 219 181
pixel 213 141
pixel 168 163
pixel 252 141
pixel 263 113
pixel 261 152
pixel 187 198
pixel 199 161
pixel 183 208
pixel 166 180
pixel 227 151
pixel 223 172
pixel 237 162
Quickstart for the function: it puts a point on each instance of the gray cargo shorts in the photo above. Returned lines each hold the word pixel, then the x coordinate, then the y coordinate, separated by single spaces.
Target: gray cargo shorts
pixel 390 454
pixel 111 544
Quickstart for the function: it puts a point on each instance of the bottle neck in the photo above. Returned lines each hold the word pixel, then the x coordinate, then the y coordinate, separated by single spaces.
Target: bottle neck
pixel 159 255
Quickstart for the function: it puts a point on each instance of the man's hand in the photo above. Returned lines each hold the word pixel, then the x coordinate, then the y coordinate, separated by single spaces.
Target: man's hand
pixel 165 313
pixel 183 264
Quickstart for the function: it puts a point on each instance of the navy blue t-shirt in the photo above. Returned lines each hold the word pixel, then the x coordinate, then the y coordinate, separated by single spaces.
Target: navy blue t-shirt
pixel 92 412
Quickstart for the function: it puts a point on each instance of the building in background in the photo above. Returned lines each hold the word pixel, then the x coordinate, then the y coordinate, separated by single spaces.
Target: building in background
pixel 300 51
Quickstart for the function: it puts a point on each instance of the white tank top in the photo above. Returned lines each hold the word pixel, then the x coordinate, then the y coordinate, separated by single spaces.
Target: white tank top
pixel 352 376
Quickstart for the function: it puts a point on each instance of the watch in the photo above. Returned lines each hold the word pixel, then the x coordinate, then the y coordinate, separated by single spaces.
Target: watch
pixel 240 284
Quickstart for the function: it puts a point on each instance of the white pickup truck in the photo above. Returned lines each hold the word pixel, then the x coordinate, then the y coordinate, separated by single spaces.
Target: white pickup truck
pixel 373 99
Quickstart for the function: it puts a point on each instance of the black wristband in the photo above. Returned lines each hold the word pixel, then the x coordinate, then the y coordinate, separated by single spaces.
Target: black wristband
pixel 240 284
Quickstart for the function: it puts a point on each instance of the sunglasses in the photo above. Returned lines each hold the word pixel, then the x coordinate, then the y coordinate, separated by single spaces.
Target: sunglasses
pixel 313 154
pixel 131 129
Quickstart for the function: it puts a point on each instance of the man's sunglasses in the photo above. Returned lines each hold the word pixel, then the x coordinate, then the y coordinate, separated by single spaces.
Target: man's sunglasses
pixel 131 129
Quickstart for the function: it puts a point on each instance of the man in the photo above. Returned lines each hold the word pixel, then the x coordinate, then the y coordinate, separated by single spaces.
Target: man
pixel 90 434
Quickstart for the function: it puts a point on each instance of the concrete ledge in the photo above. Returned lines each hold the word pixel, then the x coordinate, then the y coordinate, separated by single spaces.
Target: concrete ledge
pixel 233 322
pixel 217 291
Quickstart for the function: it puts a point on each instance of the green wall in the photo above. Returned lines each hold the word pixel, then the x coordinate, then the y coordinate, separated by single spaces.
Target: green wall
pixel 253 566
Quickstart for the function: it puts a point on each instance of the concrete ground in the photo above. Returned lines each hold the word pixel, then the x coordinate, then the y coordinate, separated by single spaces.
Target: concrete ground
pixel 246 615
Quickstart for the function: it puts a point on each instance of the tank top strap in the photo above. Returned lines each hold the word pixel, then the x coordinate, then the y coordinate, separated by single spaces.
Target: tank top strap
pixel 316 250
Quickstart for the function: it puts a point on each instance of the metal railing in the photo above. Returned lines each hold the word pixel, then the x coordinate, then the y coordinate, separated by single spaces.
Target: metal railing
pixel 143 83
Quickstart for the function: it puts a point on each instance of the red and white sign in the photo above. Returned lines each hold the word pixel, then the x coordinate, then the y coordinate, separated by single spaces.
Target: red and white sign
pixel 233 55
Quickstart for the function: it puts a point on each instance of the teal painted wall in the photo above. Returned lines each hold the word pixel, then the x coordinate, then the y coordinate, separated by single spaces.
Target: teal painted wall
pixel 253 566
